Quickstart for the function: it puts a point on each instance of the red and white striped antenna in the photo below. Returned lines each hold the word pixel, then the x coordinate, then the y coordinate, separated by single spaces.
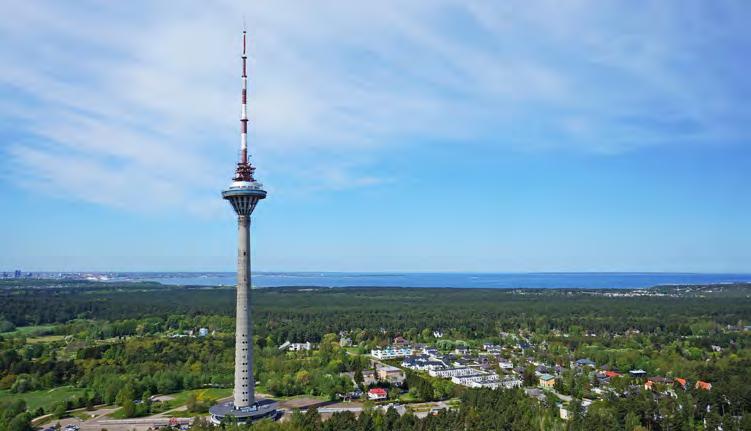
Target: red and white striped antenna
pixel 244 171
pixel 244 109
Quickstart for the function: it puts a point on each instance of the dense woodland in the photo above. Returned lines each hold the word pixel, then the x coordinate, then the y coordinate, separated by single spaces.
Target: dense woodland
pixel 116 341
pixel 308 313
pixel 486 409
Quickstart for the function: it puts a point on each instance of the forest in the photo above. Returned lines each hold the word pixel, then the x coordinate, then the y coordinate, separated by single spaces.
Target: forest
pixel 297 313
pixel 120 343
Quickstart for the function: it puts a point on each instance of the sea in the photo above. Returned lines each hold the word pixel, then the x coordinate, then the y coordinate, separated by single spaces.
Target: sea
pixel 568 280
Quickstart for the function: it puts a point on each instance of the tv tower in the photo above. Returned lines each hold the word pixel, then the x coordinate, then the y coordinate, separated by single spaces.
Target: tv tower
pixel 244 193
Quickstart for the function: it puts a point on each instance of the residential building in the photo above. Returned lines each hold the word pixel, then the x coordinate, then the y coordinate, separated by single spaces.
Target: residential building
pixel 376 394
pixel 296 347
pixel 510 383
pixel 564 412
pixel 391 353
pixel 585 362
pixel 390 374
pixel 547 381
pixel 400 342
pixel 461 350
pixel 369 377
pixel 535 393
pixel 651 381
pixel 478 378
pixel 505 364
pixel 422 363
pixel 452 372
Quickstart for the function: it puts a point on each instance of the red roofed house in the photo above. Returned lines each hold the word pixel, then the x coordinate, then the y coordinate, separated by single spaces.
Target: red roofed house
pixel 657 379
pixel 611 374
pixel 400 341
pixel 681 382
pixel 705 386
pixel 377 394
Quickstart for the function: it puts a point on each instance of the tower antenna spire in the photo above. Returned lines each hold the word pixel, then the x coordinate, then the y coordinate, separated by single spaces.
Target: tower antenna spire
pixel 244 171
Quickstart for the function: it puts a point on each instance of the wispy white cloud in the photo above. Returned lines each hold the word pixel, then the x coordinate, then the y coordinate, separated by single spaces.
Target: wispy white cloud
pixel 135 104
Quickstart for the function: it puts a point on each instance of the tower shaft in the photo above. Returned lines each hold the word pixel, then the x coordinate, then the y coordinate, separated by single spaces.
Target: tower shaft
pixel 244 393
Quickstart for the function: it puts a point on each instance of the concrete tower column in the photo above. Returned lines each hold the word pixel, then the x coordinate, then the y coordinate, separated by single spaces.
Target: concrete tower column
pixel 244 392
pixel 243 194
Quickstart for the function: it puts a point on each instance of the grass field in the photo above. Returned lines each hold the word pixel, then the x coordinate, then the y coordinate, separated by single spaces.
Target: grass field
pixel 181 398
pixel 262 392
pixel 45 339
pixel 46 398
pixel 408 398
pixel 31 330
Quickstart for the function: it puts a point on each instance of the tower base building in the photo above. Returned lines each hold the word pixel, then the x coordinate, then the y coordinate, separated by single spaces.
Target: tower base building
pixel 261 409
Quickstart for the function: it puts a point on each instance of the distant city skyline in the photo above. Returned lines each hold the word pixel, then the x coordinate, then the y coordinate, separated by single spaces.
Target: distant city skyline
pixel 418 136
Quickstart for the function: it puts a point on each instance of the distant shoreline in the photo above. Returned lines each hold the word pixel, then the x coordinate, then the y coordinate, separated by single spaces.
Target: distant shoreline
pixel 537 280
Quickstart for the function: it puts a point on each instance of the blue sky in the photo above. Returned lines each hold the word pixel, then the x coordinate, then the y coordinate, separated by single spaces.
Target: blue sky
pixel 392 136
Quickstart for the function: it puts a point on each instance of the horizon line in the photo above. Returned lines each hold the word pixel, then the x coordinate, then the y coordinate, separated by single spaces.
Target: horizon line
pixel 377 272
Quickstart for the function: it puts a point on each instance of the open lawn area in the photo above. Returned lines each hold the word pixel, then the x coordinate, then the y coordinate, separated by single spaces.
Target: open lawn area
pixel 46 398
pixel 180 398
pixel 45 339
pixel 408 398
pixel 31 330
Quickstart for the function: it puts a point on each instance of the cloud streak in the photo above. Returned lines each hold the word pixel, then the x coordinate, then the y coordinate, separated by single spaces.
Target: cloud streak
pixel 135 104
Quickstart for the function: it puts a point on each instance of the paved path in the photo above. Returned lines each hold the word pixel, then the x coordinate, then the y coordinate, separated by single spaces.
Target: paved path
pixel 561 396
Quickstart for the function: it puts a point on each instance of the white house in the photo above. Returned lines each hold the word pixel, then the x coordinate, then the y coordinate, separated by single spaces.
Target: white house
pixel 461 350
pixel 296 347
pixel 377 394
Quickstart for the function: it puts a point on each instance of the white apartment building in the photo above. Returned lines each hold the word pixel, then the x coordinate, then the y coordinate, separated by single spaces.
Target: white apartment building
pixel 476 378
pixel 391 353
pixel 453 372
